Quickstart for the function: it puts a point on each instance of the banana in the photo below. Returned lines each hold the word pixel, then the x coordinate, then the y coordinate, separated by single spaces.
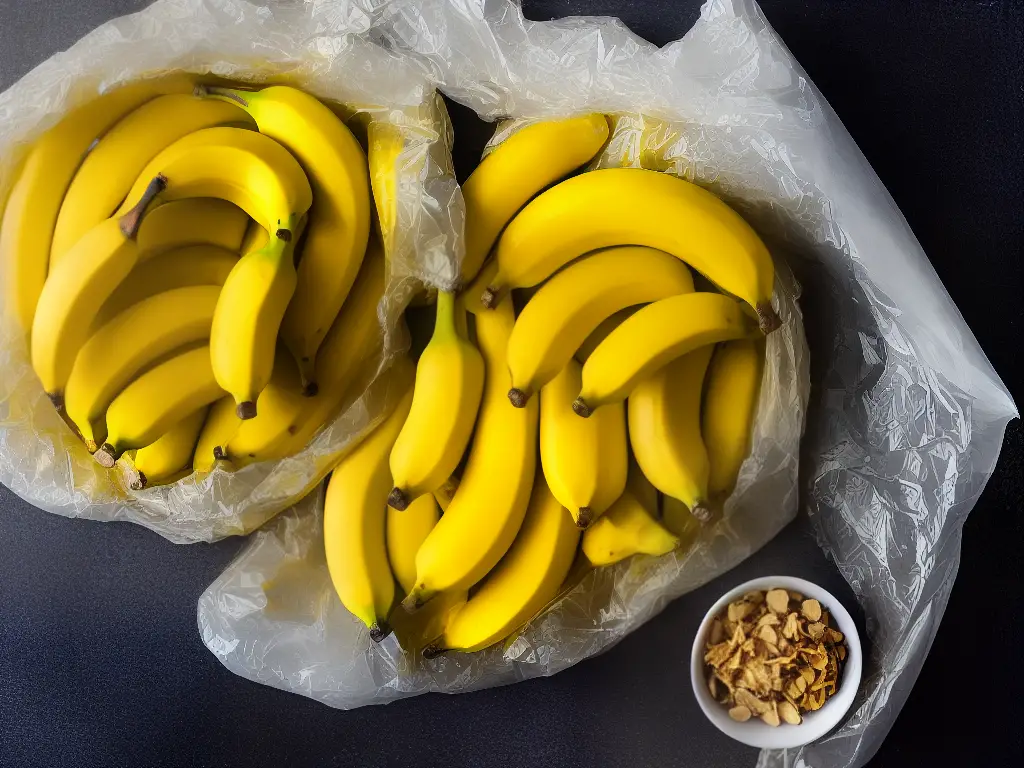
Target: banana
pixel 584 460
pixel 182 268
pixel 26 229
pixel 615 206
pixel 487 510
pixel 128 344
pixel 384 147
pixel 339 224
pixel 75 290
pixel 287 421
pixel 245 325
pixel 355 523
pixel 449 384
pixel 653 337
pixel 730 402
pixel 626 529
pixel 569 307
pixel 195 221
pixel 152 404
pixel 664 430
pixel 600 333
pixel 170 457
pixel 243 167
pixel 221 425
pixel 109 170
pixel 406 530
pixel 528 161
pixel 523 583
pixel 417 632
pixel 678 519
pixel 444 495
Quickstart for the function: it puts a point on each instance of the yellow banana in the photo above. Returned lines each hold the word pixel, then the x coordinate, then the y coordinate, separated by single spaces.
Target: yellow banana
pixel 286 423
pixel 641 488
pixel 194 221
pixel 584 460
pixel 488 508
pixel 653 337
pixel 664 430
pixel 355 523
pixel 417 632
pixel 523 583
pixel 730 402
pixel 615 206
pixel 26 230
pixel 384 147
pixel 527 162
pixel 626 529
pixel 406 530
pixel 336 234
pixel 569 307
pixel 127 345
pixel 182 268
pixel 170 457
pixel 221 425
pixel 678 519
pixel 600 333
pixel 444 495
pixel 244 333
pixel 74 292
pixel 243 167
pixel 109 170
pixel 152 404
pixel 449 384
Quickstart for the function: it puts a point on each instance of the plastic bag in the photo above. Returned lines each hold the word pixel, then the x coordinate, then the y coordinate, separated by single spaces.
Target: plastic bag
pixel 381 93
pixel 904 425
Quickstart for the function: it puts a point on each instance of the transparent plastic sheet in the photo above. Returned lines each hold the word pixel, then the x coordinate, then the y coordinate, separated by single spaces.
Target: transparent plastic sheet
pixel 377 91
pixel 904 424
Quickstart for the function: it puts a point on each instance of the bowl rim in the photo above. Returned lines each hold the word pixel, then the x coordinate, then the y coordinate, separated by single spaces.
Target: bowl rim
pixel 815 724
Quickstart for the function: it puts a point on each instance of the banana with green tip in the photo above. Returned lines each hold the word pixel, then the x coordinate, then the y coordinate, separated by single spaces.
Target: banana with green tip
pixel 127 345
pixel 664 430
pixel 570 306
pixel 170 457
pixel 626 529
pixel 653 337
pixel 446 399
pixel 584 460
pixel 616 206
pixel 355 525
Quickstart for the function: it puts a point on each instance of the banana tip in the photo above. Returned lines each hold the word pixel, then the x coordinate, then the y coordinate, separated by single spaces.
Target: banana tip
pixel 139 481
pixel 489 298
pixel 397 499
pixel 518 397
pixel 701 511
pixel 580 408
pixel 432 652
pixel 379 630
pixel 767 318
pixel 584 518
pixel 106 455
pixel 57 398
pixel 311 389
pixel 246 410
pixel 218 453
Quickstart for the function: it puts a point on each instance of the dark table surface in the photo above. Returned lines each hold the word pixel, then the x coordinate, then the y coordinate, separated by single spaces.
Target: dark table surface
pixel 100 660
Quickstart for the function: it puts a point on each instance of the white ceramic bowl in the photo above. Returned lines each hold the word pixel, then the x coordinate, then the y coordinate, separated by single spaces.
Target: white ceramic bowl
pixel 815 724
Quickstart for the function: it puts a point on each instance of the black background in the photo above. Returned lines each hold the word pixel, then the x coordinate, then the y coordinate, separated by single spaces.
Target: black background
pixel 100 662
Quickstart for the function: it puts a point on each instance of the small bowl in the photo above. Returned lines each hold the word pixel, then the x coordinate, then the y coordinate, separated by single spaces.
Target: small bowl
pixel 815 724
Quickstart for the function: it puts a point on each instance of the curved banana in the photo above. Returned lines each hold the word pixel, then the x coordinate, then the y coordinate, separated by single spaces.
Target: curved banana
pixel 523 583
pixel 339 223
pixel 488 507
pixel 531 159
pixel 288 421
pixel 74 292
pixel 244 333
pixel 449 384
pixel 615 206
pixel 653 337
pixel 182 268
pixel 109 170
pixel 26 230
pixel 152 404
pixel 170 457
pixel 384 147
pixel 128 344
pixel 730 402
pixel 406 531
pixel 584 460
pixel 355 523
pixel 243 167
pixel 221 425
pixel 679 521
pixel 626 529
pixel 569 307
pixel 193 221
pixel 664 430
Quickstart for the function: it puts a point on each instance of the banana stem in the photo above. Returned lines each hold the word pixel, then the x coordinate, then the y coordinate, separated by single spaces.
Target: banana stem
pixel 222 94
pixel 130 221
pixel 444 319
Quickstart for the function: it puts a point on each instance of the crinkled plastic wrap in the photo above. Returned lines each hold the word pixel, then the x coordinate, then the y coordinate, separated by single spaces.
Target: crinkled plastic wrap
pixel 905 420
pixel 381 93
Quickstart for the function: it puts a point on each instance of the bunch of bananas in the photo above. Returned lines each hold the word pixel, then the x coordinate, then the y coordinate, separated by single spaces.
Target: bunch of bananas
pixel 636 391
pixel 190 267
